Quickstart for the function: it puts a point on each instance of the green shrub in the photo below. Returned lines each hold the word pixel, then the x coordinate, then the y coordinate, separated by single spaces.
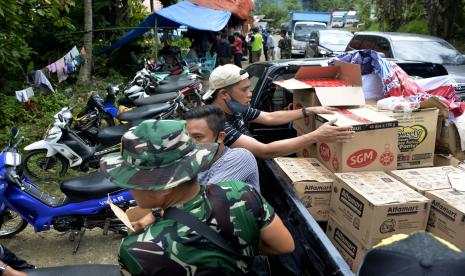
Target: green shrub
pixel 418 26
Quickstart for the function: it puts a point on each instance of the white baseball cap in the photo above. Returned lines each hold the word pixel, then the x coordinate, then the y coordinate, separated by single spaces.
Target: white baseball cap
pixel 223 76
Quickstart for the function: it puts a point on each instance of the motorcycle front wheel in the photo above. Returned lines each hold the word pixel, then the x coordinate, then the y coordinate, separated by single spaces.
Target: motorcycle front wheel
pixel 11 223
pixel 37 166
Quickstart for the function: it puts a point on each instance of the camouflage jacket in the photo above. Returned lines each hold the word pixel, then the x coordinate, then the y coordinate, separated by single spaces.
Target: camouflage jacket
pixel 232 208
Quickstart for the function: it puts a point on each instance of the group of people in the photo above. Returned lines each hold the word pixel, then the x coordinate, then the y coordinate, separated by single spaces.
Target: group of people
pixel 233 48
pixel 204 167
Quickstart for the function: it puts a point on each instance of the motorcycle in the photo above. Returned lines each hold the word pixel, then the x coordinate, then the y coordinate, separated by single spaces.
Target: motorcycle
pixel 84 206
pixel 97 114
pixel 61 148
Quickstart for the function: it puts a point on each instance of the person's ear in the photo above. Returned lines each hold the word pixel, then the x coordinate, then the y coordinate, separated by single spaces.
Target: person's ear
pixel 221 136
pixel 224 95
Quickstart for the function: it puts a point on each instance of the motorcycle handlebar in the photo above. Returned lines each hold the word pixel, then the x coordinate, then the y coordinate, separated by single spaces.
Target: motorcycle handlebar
pixel 20 141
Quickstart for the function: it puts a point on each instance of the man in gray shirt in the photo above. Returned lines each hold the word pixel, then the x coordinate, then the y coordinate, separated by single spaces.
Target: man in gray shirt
pixel 206 124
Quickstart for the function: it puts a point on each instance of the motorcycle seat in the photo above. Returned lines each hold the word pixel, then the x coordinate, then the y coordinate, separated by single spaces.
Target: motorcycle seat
pixel 75 270
pixel 159 98
pixel 144 112
pixel 172 78
pixel 110 136
pixel 174 86
pixel 92 186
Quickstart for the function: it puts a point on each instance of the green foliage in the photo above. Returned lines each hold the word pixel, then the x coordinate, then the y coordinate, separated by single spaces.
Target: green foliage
pixel 33 122
pixel 419 26
pixel 279 13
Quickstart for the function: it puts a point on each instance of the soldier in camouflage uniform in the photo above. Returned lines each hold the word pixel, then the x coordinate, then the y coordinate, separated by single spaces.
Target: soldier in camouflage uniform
pixel 159 164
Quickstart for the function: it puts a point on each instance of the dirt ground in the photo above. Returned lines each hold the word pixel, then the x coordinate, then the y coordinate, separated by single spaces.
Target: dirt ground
pixel 52 248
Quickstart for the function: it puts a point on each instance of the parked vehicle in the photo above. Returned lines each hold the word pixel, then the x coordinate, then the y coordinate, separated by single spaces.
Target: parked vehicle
pixel 414 47
pixel 314 254
pixel 351 18
pixel 84 206
pixel 302 24
pixel 326 43
pixel 97 114
pixel 61 148
pixel 338 19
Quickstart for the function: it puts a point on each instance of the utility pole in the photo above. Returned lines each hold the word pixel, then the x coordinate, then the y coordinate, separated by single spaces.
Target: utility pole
pixel 151 6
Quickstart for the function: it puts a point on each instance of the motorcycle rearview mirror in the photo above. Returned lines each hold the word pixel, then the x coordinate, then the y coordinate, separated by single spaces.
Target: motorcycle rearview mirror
pixel 60 117
pixel 14 132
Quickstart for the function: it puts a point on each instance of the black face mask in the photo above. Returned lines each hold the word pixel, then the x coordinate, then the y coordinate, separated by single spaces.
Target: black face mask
pixel 237 107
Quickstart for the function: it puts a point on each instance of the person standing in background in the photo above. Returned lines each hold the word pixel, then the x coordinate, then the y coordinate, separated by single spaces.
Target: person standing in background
pixel 284 45
pixel 237 49
pixel 265 43
pixel 248 41
pixel 224 50
pixel 257 45
pixel 270 46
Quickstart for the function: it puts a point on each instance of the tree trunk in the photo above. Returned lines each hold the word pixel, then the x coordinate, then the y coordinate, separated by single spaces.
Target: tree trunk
pixel 86 67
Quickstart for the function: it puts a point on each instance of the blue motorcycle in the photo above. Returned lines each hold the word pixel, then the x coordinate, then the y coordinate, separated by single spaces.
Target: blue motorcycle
pixel 84 206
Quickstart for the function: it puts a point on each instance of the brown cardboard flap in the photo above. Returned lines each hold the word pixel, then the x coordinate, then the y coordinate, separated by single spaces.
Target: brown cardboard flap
pixel 304 169
pixel 340 96
pixel 434 102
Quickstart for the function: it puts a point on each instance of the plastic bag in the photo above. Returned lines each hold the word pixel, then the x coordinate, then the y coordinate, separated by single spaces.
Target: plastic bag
pixel 399 104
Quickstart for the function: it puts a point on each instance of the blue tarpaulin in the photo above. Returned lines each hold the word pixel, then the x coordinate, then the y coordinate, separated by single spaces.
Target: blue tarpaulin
pixel 183 13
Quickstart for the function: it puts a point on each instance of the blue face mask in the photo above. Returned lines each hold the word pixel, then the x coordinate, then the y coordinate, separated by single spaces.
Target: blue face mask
pixel 237 107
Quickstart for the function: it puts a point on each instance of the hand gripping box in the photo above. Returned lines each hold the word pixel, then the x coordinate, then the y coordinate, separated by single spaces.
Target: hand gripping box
pixel 447 216
pixel 311 181
pixel 348 246
pixel 426 179
pixel 374 146
pixel 373 206
pixel 347 90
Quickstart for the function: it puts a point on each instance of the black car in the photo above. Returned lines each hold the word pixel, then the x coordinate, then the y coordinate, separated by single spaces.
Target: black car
pixel 415 47
pixel 314 254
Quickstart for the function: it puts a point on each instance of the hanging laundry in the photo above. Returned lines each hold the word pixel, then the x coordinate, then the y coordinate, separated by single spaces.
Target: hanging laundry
pixel 74 52
pixel 52 68
pixel 78 60
pixel 24 95
pixel 68 58
pixel 61 70
pixel 70 67
pixel 39 80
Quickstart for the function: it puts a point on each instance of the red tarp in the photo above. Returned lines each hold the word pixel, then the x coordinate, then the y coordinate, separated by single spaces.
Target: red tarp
pixel 240 8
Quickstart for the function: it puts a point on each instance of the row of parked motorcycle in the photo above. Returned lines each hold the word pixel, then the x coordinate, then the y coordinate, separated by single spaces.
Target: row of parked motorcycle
pixel 79 142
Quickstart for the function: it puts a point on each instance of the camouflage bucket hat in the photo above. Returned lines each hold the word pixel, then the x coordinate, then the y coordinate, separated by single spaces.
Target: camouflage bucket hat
pixel 157 155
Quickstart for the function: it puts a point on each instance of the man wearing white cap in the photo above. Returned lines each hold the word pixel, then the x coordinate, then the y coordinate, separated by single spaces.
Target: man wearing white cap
pixel 229 90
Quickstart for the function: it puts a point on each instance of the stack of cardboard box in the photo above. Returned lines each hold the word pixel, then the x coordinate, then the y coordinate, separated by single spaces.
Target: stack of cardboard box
pixel 367 207
pixel 384 182
pixel 311 181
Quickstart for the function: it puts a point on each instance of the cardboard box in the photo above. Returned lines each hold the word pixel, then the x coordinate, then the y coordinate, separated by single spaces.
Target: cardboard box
pixel 305 95
pixel 445 160
pixel 417 138
pixel 311 181
pixel 374 205
pixel 449 140
pixel 426 179
pixel 450 136
pixel 447 216
pixel 348 246
pixel 374 146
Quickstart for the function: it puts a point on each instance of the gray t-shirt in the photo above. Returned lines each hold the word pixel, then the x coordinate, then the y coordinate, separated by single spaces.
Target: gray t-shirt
pixel 233 164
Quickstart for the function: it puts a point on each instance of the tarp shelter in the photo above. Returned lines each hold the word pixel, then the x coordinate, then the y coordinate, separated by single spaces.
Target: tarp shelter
pixel 183 13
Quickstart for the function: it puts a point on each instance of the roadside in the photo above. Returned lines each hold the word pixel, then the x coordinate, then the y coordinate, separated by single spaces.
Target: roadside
pixel 52 248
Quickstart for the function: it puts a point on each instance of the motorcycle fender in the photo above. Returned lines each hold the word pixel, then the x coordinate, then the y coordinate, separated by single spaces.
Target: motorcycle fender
pixel 41 145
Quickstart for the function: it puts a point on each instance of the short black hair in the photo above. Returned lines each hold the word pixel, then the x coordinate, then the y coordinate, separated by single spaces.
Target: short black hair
pixel 214 115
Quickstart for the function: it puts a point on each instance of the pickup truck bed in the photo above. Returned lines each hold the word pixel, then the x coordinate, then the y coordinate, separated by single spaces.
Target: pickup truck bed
pixel 314 254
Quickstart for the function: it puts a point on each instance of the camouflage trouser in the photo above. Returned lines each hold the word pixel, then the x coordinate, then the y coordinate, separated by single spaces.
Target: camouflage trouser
pixel 285 54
